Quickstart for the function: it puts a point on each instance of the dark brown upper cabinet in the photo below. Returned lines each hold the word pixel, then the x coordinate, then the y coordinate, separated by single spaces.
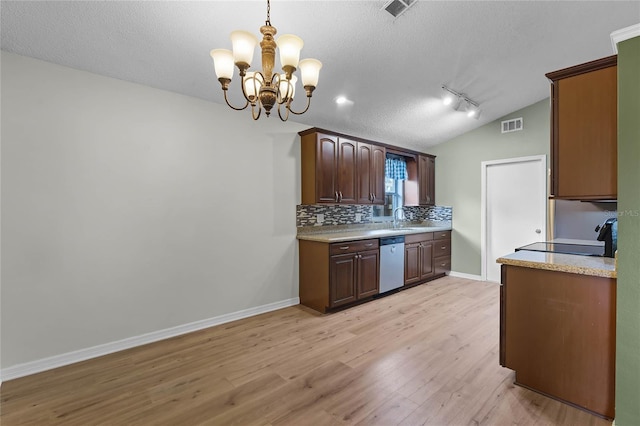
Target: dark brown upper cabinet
pixel 338 168
pixel 584 131
pixel 328 169
pixel 371 159
pixel 426 180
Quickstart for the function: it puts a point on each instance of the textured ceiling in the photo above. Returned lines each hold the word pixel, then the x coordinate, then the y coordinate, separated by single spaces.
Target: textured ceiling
pixel 390 69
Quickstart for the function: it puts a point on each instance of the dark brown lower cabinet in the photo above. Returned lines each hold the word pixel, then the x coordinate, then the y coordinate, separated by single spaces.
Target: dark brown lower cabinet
pixel 338 274
pixel 558 333
pixel 353 276
pixel 343 279
pixel 418 258
pixel 368 282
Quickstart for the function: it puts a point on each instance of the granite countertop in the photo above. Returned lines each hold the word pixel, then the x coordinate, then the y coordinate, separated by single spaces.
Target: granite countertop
pixel 571 263
pixel 341 234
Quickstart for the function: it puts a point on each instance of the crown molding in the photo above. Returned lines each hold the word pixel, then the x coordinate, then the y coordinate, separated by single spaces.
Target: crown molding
pixel 624 34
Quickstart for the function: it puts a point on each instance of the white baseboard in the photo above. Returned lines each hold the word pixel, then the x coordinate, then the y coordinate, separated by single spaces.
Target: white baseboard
pixel 55 361
pixel 467 276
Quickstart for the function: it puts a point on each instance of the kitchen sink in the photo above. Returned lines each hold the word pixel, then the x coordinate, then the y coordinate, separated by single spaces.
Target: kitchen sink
pixel 379 231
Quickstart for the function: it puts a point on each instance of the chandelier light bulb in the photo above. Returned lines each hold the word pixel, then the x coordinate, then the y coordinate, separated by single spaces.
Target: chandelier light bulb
pixel 287 88
pixel 223 63
pixel 244 43
pixel 252 83
pixel 310 70
pixel 289 46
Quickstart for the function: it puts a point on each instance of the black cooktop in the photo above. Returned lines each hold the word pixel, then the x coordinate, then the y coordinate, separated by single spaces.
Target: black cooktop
pixel 580 249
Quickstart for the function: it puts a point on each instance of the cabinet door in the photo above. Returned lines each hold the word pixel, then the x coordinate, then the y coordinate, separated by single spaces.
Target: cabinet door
pixel 368 273
pixel 365 162
pixel 346 179
pixel 426 260
pixel 370 173
pixel 585 143
pixel 342 281
pixel 411 263
pixel 426 180
pixel 326 169
pixel 377 174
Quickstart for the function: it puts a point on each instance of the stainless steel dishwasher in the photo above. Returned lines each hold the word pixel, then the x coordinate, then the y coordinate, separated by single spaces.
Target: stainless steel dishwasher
pixel 391 263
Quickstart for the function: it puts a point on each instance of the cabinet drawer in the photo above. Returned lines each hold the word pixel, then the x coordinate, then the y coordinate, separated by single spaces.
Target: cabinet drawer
pixel 442 264
pixel 441 248
pixel 442 235
pixel 353 246
pixel 416 238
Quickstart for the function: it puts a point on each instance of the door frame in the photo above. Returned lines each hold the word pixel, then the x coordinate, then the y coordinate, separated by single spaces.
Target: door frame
pixel 542 159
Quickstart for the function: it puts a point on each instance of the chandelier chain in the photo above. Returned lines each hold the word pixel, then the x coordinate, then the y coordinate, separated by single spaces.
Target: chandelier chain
pixel 268 13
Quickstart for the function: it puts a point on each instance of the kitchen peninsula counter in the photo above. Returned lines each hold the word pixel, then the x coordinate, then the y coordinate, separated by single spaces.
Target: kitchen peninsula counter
pixel 574 264
pixel 558 326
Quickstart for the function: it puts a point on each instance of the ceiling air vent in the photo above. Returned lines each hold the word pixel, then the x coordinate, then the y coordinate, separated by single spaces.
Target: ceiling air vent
pixel 398 7
pixel 512 125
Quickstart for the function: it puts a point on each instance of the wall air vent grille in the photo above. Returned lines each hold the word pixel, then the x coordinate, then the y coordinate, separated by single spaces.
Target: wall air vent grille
pixel 398 7
pixel 513 125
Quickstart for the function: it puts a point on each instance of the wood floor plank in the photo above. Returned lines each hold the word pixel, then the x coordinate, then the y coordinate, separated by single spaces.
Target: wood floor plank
pixel 426 355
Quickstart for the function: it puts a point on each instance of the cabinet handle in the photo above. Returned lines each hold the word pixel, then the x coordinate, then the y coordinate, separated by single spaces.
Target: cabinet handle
pixel 340 196
pixel 368 245
pixel 443 247
pixel 442 264
pixel 344 248
pixel 336 196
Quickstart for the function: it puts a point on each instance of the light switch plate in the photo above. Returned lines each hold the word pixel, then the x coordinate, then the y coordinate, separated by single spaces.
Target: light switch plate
pixel 358 217
pixel 319 218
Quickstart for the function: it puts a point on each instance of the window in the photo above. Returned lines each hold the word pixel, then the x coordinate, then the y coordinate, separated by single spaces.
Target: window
pixel 393 189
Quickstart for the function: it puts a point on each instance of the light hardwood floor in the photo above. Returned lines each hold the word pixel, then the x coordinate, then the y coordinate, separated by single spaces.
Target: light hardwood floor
pixel 427 355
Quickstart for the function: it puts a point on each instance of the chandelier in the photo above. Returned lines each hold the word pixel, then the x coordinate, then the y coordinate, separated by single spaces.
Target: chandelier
pixel 265 89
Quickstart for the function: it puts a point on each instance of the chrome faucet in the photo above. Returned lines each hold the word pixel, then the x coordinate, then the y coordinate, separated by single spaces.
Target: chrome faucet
pixel 395 216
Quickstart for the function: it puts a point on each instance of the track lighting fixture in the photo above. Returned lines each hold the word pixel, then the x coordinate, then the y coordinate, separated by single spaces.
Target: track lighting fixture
pixel 457 100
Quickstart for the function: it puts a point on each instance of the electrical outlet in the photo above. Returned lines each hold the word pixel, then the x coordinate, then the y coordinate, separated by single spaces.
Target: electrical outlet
pixel 319 218
pixel 358 217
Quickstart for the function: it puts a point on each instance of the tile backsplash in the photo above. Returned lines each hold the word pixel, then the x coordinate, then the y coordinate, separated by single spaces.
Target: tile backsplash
pixel 335 214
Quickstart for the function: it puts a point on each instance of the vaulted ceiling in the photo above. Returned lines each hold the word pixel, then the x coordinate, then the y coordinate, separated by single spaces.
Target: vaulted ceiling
pixel 390 69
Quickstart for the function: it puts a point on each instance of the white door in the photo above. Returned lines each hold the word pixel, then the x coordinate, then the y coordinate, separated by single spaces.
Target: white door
pixel 514 200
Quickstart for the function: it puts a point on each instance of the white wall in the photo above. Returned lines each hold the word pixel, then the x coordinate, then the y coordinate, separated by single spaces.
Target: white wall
pixel 127 210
